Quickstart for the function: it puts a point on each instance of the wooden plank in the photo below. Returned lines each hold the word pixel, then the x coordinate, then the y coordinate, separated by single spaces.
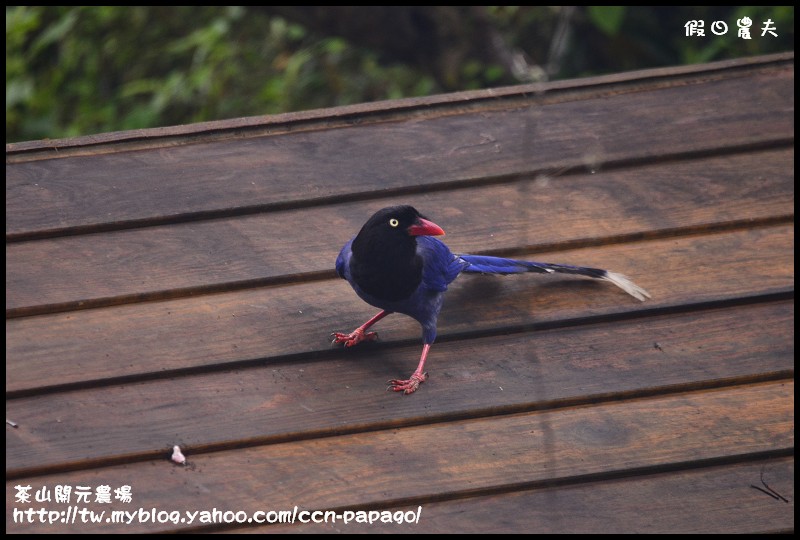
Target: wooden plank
pixel 158 262
pixel 253 174
pixel 344 392
pixel 266 323
pixel 468 457
pixel 381 110
pixel 711 500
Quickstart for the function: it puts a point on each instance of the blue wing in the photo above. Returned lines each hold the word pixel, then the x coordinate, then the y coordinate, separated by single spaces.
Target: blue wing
pixel 440 267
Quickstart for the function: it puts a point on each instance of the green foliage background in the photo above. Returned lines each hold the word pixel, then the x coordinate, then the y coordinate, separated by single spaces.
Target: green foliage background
pixel 81 70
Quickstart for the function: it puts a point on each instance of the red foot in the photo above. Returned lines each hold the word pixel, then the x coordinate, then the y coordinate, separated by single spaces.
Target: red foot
pixel 353 338
pixel 408 386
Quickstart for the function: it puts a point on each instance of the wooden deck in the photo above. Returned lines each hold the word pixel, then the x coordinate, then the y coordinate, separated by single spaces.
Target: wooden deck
pixel 175 286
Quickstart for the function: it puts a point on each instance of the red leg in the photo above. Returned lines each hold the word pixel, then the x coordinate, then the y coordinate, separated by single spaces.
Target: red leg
pixel 410 385
pixel 359 334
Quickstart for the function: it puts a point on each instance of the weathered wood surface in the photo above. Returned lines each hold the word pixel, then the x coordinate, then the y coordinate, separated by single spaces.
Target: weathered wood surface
pixel 178 260
pixel 528 370
pixel 603 125
pixel 708 500
pixel 175 286
pixel 264 323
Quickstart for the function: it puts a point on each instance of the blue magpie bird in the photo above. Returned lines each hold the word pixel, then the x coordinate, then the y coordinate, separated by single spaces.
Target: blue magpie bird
pixel 396 265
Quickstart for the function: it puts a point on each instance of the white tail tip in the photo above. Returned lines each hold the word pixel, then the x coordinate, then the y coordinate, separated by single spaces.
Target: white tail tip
pixel 627 285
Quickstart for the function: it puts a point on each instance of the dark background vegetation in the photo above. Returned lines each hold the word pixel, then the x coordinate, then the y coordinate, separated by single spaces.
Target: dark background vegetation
pixel 82 70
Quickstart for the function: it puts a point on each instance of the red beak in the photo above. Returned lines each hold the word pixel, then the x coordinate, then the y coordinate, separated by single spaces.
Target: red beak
pixel 423 227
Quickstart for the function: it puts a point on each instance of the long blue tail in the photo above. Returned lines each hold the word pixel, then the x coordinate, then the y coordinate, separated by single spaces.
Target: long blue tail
pixel 484 264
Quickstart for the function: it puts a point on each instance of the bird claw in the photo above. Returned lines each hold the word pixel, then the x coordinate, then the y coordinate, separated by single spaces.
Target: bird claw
pixel 353 338
pixel 407 386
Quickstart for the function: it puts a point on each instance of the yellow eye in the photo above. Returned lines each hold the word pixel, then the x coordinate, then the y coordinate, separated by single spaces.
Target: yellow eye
pixel 393 222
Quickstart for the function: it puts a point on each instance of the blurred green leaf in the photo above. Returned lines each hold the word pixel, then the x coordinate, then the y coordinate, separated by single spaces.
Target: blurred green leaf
pixel 607 18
